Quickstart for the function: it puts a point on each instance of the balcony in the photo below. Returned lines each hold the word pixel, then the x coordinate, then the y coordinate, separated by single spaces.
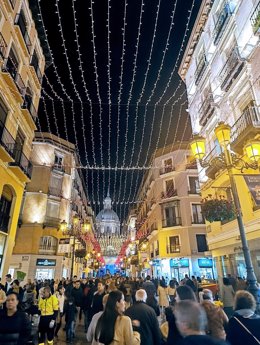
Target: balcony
pixel 48 250
pixel 231 70
pixel 36 69
pixel 214 166
pixel 255 20
pixel 206 110
pixel 58 168
pixel 201 66
pixel 169 222
pixel 4 221
pixel 166 170
pixel 197 220
pixel 3 47
pixel 51 222
pixel 14 80
pixel 169 194
pixel 55 191
pixel 7 143
pixel 21 29
pixel 221 23
pixel 245 128
pixel 21 166
pixel 29 111
pixel 152 255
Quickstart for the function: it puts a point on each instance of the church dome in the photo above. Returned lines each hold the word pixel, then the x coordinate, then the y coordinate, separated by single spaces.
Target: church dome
pixel 107 215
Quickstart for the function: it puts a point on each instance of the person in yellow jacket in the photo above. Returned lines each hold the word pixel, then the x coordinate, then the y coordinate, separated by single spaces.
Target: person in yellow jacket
pixel 48 306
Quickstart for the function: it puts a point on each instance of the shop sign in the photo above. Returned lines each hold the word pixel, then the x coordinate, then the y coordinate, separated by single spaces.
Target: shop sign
pixel 205 263
pixel 64 245
pixel 156 262
pixel 25 258
pixel 45 262
pixel 179 263
pixel 253 183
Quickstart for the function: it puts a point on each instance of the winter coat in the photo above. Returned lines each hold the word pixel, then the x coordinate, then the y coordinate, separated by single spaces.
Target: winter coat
pixel 149 326
pixel 217 320
pixel 163 297
pixel 237 335
pixel 15 329
pixel 70 312
pixel 124 334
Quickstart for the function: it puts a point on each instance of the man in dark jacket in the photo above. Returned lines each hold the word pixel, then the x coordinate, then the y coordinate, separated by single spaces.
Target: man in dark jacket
pixel 15 326
pixel 97 301
pixel 191 321
pixel 149 326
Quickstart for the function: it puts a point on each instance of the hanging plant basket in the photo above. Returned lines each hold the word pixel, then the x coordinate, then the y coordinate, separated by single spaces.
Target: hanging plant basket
pixel 217 209
pixel 80 253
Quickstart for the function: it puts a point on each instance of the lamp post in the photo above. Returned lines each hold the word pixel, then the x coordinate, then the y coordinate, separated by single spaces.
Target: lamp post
pixel 230 160
pixel 77 229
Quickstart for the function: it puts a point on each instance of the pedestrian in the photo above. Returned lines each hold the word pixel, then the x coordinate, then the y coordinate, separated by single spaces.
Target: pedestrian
pixel 70 312
pixel 149 327
pixel 60 294
pixel 217 318
pixel 88 293
pixel 228 294
pixel 113 327
pixel 163 296
pixel 183 292
pixel 48 307
pixel 191 321
pixel 93 324
pixel 15 326
pixel 171 292
pixel 8 282
pixel 77 294
pixel 28 299
pixel 244 325
pixel 190 283
pixel 149 287
pixel 16 288
pixel 2 296
pixel 97 301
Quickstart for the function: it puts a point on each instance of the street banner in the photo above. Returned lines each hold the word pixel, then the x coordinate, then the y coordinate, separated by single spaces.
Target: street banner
pixel 253 183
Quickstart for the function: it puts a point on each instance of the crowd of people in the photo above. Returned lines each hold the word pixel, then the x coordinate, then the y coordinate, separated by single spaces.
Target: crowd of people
pixel 122 311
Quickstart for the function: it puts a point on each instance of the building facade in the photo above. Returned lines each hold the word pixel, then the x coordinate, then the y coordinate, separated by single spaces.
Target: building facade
pixel 22 63
pixel 55 193
pixel 221 69
pixel 170 229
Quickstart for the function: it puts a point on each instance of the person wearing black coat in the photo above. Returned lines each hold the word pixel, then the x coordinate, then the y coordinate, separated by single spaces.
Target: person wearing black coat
pixel 149 326
pixel 244 325
pixel 15 326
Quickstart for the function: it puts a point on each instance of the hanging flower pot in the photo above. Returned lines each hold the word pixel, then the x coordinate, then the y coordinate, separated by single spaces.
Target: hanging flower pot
pixel 80 253
pixel 217 209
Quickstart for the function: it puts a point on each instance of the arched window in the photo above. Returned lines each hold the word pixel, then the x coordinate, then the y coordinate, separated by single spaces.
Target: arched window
pixel 5 208
pixel 48 245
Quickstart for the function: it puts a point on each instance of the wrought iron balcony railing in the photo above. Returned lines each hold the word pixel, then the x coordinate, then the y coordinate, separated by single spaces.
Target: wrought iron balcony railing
pixel 167 169
pixel 169 193
pixel 206 110
pixel 245 127
pixel 6 139
pixel 221 23
pixel 201 66
pixel 51 222
pixel 3 47
pixel 198 219
pixel 255 19
pixel 58 167
pixel 231 70
pixel 28 104
pixel 46 249
pixel 170 249
pixel 11 68
pixel 19 20
pixel 22 161
pixel 35 64
pixel 169 222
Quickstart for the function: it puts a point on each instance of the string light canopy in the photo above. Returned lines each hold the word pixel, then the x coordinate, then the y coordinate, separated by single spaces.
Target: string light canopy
pixel 108 88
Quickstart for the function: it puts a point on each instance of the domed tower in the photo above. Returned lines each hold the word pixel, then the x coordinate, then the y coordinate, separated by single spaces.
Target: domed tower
pixel 107 221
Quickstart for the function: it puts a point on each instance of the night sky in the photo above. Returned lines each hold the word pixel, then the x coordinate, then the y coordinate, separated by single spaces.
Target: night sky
pixel 117 111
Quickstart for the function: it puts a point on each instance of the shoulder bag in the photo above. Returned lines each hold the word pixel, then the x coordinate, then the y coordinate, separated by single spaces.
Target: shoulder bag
pixel 257 340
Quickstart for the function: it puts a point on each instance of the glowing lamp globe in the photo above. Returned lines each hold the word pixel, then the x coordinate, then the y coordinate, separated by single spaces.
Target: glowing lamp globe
pixel 63 226
pixel 223 133
pixel 75 219
pixel 86 226
pixel 252 150
pixel 198 147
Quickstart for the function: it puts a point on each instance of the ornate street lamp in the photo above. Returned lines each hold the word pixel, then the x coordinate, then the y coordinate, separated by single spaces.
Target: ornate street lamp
pixel 76 230
pixel 229 160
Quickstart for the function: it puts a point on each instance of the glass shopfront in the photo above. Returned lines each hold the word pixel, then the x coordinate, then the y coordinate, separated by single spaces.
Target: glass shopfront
pixel 180 267
pixel 45 269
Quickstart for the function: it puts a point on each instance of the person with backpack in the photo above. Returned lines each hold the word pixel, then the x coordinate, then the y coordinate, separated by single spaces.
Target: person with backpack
pixel 70 312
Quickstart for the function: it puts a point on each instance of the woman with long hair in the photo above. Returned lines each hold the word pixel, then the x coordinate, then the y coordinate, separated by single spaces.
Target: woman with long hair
pixel 113 327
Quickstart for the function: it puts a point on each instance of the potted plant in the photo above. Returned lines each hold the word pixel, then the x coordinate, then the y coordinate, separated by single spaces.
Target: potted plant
pixel 80 253
pixel 217 209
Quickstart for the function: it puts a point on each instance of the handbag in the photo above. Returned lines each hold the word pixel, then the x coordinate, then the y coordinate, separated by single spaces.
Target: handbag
pixel 257 340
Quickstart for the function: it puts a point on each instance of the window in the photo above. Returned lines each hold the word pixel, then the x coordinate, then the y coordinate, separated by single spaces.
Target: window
pixel 172 215
pixel 53 209
pixel 3 114
pixel 5 208
pixel 169 186
pixel 12 63
pixel 174 244
pixel 197 217
pixel 19 142
pixel 194 185
pixel 58 162
pixel 202 243
pixel 55 187
pixel 48 244
pixel 168 165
